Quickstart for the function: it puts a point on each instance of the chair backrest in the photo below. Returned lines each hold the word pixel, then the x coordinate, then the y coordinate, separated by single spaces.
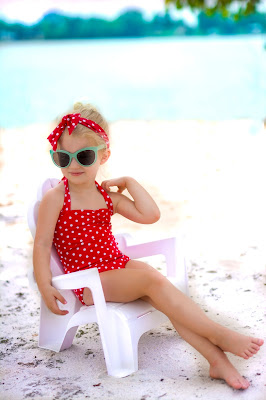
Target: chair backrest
pixel 56 266
pixel 34 207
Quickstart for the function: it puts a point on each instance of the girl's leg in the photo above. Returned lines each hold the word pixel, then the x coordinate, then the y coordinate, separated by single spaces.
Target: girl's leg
pixel 181 309
pixel 134 282
pixel 220 366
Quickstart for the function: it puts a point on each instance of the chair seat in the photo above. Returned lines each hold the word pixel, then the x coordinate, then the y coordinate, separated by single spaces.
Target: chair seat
pixel 132 310
pixel 127 311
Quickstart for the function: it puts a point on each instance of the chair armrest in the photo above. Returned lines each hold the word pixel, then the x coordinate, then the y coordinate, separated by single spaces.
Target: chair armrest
pixel 171 248
pixel 88 278
pixel 76 280
pixel 166 247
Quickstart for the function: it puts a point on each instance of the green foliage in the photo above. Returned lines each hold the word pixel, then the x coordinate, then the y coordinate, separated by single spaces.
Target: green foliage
pixel 130 23
pixel 225 7
pixel 254 23
pixel 133 24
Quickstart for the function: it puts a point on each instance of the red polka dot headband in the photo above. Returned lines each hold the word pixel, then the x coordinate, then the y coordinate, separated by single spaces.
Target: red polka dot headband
pixel 70 122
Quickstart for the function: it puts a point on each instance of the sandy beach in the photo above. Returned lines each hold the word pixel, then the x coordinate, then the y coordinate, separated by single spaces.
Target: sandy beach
pixel 208 180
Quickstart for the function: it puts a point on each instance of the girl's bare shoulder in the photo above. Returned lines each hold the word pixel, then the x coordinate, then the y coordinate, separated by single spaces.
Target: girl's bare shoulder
pixel 55 196
pixel 49 211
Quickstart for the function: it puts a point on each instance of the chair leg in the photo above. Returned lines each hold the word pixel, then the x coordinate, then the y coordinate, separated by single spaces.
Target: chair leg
pixel 121 346
pixel 120 349
pixel 54 333
pixel 69 337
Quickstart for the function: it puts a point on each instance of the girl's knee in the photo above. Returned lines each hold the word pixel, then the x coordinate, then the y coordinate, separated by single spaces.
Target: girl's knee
pixel 157 281
pixel 136 264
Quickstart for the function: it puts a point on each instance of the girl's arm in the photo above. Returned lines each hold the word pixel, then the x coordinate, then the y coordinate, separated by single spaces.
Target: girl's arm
pixel 48 214
pixel 142 209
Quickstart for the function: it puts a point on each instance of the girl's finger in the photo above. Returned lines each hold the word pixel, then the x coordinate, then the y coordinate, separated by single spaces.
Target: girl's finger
pixel 108 184
pixel 56 310
pixel 53 306
pixel 105 185
pixel 59 297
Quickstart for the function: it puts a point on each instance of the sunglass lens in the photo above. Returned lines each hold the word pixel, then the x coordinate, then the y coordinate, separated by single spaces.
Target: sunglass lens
pixel 61 159
pixel 86 157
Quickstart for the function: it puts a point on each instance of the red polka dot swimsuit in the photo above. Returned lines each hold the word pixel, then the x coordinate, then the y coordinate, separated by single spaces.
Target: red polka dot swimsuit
pixel 83 238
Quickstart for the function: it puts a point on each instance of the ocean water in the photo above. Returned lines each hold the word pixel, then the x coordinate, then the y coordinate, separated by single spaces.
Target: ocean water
pixel 205 78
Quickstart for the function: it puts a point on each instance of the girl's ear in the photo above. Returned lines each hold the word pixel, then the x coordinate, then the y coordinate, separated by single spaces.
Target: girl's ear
pixel 105 156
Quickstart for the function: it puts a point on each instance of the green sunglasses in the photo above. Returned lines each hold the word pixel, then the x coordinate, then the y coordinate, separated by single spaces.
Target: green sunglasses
pixel 85 157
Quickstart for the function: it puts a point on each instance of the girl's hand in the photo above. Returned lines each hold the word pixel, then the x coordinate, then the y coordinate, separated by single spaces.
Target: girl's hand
pixel 120 183
pixel 50 295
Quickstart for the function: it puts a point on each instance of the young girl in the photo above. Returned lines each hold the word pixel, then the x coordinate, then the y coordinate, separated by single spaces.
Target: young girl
pixel 75 217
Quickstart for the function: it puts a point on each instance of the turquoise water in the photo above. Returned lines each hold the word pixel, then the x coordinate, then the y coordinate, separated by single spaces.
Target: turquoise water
pixel 155 78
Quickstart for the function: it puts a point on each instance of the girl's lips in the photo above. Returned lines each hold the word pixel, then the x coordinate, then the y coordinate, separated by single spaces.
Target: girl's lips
pixel 76 173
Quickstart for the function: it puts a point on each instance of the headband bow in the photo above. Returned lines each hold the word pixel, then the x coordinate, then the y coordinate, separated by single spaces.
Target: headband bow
pixel 70 122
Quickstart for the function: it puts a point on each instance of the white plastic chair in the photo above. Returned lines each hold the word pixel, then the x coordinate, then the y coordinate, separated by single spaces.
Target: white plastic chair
pixel 120 324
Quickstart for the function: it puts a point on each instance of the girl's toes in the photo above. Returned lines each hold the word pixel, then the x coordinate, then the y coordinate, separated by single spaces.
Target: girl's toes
pixel 238 383
pixel 259 342
pixel 244 383
pixel 248 353
pixel 234 383
pixel 253 351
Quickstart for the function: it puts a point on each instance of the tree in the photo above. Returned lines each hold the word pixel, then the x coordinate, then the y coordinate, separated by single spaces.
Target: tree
pixel 225 7
pixel 54 26
pixel 130 23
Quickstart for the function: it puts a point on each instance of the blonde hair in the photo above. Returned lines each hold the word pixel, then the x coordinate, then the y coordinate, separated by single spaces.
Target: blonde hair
pixel 88 111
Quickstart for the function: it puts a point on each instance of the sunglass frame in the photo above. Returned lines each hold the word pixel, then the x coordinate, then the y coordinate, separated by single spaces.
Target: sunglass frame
pixel 74 155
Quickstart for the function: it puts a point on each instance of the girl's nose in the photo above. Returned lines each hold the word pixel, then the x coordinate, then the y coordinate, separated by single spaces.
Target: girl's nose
pixel 74 163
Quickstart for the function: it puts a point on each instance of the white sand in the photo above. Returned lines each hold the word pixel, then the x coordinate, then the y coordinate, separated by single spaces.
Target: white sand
pixel 208 180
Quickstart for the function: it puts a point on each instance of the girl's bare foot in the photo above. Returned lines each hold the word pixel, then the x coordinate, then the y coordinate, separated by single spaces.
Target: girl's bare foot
pixel 223 369
pixel 236 343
